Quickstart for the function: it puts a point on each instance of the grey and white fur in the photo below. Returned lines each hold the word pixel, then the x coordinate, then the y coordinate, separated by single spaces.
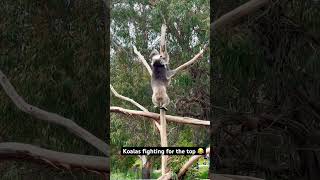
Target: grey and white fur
pixel 159 80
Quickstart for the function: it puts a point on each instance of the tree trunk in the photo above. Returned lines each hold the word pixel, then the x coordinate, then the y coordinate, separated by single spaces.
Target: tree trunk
pixel 146 170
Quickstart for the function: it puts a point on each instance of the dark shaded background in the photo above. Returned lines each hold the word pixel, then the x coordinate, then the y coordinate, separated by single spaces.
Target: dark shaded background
pixel 265 90
pixel 55 54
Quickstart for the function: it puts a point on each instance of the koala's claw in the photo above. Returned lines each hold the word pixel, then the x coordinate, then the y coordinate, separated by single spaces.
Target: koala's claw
pixel 164 108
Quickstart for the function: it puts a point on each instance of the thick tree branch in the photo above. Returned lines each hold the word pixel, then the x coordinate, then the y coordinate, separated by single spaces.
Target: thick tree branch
pixel 163 44
pixel 177 119
pixel 133 102
pixel 142 59
pixel 189 163
pixel 163 40
pixel 238 13
pixel 12 150
pixel 51 117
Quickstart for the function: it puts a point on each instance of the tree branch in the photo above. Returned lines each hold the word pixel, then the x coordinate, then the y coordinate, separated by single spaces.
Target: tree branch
pixel 166 176
pixel 190 62
pixel 238 13
pixel 163 44
pixel 177 119
pixel 12 150
pixel 51 117
pixel 142 59
pixel 133 102
pixel 189 163
pixel 127 99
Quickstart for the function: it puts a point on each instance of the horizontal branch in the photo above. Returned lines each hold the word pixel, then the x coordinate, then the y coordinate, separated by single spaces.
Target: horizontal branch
pixel 51 117
pixel 12 150
pixel 177 119
pixel 189 163
pixel 238 13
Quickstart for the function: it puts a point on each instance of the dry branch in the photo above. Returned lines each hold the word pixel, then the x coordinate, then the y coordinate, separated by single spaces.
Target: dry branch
pixel 177 119
pixel 164 140
pixel 142 59
pixel 163 122
pixel 51 117
pixel 133 102
pixel 163 40
pixel 163 44
pixel 238 13
pixel 12 150
pixel 189 163
pixel 127 99
pixel 191 61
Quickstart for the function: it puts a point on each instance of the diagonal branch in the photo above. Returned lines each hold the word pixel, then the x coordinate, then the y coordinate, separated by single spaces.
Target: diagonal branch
pixel 12 150
pixel 127 99
pixel 142 59
pixel 190 62
pixel 51 117
pixel 133 102
pixel 177 119
pixel 189 163
pixel 238 13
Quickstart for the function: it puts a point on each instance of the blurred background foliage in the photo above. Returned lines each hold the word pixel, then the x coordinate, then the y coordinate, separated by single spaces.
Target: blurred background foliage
pixel 138 23
pixel 265 91
pixel 54 54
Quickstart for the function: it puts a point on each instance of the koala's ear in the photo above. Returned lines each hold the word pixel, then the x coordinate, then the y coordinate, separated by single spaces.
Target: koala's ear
pixel 153 52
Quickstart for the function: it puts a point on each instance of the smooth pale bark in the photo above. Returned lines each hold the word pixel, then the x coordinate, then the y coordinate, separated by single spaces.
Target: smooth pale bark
pixel 176 119
pixel 18 151
pixel 189 163
pixel 51 117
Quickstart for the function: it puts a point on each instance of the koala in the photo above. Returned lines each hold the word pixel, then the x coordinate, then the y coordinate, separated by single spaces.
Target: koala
pixel 159 80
